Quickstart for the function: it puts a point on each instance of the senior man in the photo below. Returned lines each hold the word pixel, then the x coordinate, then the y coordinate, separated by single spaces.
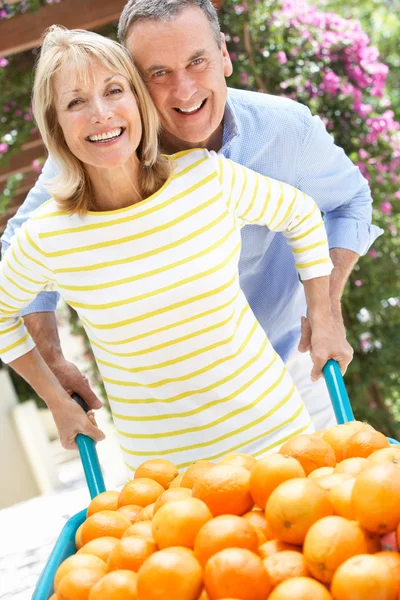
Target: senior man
pixel 182 56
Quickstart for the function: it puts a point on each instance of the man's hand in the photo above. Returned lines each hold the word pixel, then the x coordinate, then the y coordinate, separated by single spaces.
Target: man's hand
pixel 73 381
pixel 72 420
pixel 327 341
pixel 305 339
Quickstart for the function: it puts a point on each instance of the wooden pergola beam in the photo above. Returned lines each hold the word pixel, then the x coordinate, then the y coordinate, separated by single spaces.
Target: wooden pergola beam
pixel 24 32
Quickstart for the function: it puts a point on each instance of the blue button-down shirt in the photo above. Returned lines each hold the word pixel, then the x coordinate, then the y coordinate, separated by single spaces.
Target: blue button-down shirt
pixel 279 138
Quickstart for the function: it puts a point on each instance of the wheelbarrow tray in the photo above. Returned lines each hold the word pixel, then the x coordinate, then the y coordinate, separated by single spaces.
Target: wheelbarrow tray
pixel 65 545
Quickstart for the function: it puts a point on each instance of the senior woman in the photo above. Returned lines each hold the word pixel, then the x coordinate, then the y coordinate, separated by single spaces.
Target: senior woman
pixel 145 248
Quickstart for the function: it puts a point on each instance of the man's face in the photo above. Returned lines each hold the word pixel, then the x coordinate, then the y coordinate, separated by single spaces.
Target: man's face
pixel 184 70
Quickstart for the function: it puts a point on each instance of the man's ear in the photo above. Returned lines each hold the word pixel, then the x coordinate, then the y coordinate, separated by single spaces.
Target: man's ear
pixel 228 68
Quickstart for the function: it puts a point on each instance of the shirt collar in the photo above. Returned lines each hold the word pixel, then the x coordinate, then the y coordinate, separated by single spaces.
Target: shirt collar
pixel 231 125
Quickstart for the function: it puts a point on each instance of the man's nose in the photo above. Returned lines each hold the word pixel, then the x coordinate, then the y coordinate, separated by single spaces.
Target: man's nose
pixel 101 112
pixel 184 87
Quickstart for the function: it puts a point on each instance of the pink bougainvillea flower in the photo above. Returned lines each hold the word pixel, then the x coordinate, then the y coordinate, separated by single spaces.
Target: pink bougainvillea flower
pixel 386 208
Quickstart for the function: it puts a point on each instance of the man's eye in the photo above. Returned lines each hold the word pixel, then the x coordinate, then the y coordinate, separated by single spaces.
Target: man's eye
pixel 159 73
pixel 198 61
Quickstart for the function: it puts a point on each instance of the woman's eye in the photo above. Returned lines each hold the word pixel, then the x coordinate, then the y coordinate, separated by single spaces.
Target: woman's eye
pixel 116 91
pixel 74 103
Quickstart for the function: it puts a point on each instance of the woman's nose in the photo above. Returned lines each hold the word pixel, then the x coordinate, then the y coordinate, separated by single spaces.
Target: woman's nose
pixel 101 113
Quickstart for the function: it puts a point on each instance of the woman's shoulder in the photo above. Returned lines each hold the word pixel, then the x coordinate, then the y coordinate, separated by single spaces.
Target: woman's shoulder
pixel 187 160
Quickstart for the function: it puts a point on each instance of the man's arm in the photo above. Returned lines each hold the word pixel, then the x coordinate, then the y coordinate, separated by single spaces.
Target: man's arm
pixel 343 195
pixel 43 329
pixel 343 264
pixel 39 316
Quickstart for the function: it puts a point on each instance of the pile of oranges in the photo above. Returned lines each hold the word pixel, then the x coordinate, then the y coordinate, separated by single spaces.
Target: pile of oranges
pixel 311 522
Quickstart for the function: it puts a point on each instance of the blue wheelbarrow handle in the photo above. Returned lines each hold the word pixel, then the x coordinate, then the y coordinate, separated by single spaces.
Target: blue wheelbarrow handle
pixel 89 458
pixel 338 393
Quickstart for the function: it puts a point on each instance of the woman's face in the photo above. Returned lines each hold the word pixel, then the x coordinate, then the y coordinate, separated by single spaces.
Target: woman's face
pixel 99 116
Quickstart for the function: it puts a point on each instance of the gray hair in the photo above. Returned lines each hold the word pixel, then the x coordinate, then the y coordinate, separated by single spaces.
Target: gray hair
pixel 164 10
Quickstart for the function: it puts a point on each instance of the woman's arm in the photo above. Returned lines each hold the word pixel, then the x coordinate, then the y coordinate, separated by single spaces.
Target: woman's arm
pixel 68 416
pixel 255 198
pixel 23 274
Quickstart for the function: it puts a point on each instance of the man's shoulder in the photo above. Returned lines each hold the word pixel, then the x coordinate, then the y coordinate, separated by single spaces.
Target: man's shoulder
pixel 267 104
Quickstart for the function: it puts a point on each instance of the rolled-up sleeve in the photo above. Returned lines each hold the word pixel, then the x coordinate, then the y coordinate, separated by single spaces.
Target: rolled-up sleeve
pixel 44 301
pixel 338 187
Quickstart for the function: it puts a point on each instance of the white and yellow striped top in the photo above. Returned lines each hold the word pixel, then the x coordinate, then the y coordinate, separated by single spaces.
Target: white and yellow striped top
pixel 188 370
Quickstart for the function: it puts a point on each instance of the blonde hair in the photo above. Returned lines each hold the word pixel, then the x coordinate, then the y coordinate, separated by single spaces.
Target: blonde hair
pixel 72 187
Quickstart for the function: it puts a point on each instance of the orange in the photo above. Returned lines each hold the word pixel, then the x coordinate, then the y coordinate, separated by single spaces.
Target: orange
pixel 104 501
pixel 376 496
pixel 100 547
pixel 373 541
pixel 337 436
pixel 170 495
pixel 284 565
pixel 274 546
pixel 293 507
pixel 391 454
pixel 146 514
pixel 311 452
pixel 269 472
pixel 78 561
pixel 239 460
pixel 172 573
pixel 176 482
pixel 340 498
pixel 321 472
pixel 161 470
pixel 353 466
pixel 398 537
pixel 76 584
pixel 329 542
pixel 204 596
pixel 257 519
pixel 225 531
pixel 118 585
pixel 300 588
pixel 364 577
pixel 236 570
pixel 320 432
pixel 130 511
pixel 78 537
pixel 365 442
pixel 141 529
pixel 262 538
pixel 331 481
pixel 225 489
pixel 177 523
pixel 192 472
pixel 141 491
pixel 106 523
pixel 392 559
pixel 130 553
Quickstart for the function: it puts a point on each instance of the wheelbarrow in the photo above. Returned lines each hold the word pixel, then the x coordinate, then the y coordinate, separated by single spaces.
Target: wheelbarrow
pixel 65 545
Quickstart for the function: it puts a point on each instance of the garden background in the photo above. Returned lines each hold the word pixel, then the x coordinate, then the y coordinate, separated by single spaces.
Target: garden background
pixel 343 62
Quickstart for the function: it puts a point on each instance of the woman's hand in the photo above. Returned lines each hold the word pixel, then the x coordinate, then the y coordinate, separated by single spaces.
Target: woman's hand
pixel 71 419
pixel 327 341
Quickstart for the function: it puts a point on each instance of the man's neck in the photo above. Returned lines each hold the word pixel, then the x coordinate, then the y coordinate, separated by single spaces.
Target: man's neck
pixel 171 144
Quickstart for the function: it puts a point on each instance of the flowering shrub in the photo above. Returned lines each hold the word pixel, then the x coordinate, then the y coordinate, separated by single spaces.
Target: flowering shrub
pixel 294 49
